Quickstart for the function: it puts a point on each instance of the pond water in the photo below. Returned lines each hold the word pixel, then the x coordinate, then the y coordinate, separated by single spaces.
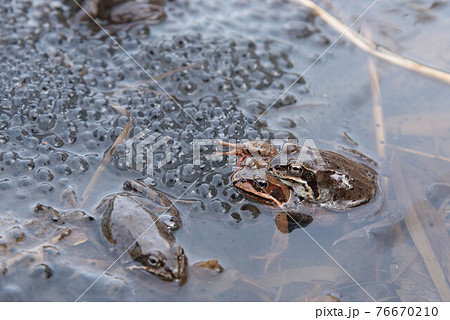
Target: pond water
pixel 59 79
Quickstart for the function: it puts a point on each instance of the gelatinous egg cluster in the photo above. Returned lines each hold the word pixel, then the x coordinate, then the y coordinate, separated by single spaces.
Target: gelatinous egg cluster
pixel 58 83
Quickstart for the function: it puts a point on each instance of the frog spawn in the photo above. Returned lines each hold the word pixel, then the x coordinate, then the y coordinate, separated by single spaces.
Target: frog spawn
pixel 78 94
pixel 37 242
pixel 67 107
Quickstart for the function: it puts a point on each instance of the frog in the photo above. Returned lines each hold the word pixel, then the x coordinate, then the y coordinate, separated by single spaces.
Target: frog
pixel 332 181
pixel 122 14
pixel 337 184
pixel 254 183
pixel 130 221
pixel 257 149
pixel 172 218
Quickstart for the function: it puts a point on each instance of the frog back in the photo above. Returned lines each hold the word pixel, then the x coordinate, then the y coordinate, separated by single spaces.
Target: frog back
pixel 125 220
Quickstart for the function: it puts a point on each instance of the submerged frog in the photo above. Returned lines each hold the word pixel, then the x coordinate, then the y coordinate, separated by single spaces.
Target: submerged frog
pixel 123 14
pixel 133 222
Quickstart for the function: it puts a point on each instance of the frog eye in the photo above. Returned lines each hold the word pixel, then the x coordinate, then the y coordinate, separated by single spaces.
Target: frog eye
pixel 153 261
pixel 295 170
pixel 263 184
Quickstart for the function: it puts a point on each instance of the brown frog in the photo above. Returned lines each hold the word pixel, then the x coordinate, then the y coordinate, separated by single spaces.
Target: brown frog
pixel 132 222
pixel 321 185
pixel 122 14
pixel 258 149
pixel 328 179
pixel 252 181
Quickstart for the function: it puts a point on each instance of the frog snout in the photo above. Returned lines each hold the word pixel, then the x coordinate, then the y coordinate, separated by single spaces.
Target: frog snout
pixel 177 265
pixel 180 273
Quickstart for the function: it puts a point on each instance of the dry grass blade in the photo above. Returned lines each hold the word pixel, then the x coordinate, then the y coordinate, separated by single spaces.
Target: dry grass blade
pixel 428 248
pixel 420 153
pixel 324 274
pixel 171 72
pixel 374 49
pixel 158 77
pixel 280 290
pixel 377 110
pixel 436 231
pixel 297 107
pixel 325 298
pixel 108 156
pixel 378 115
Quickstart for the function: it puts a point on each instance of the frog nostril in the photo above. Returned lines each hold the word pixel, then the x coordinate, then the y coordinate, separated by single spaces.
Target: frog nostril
pixel 167 269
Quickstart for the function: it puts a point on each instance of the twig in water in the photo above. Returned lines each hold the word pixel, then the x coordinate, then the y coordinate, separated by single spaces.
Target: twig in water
pixel 373 49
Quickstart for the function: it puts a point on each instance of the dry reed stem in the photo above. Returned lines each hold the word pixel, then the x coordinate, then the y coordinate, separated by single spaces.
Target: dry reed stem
pixel 437 234
pixel 296 107
pixel 310 274
pixel 407 192
pixel 373 49
pixel 420 153
pixel 158 77
pixel 107 158
pixel 377 110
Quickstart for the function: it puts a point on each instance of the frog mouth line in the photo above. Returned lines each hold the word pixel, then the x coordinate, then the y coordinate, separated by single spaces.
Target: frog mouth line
pixel 267 199
pixel 169 275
